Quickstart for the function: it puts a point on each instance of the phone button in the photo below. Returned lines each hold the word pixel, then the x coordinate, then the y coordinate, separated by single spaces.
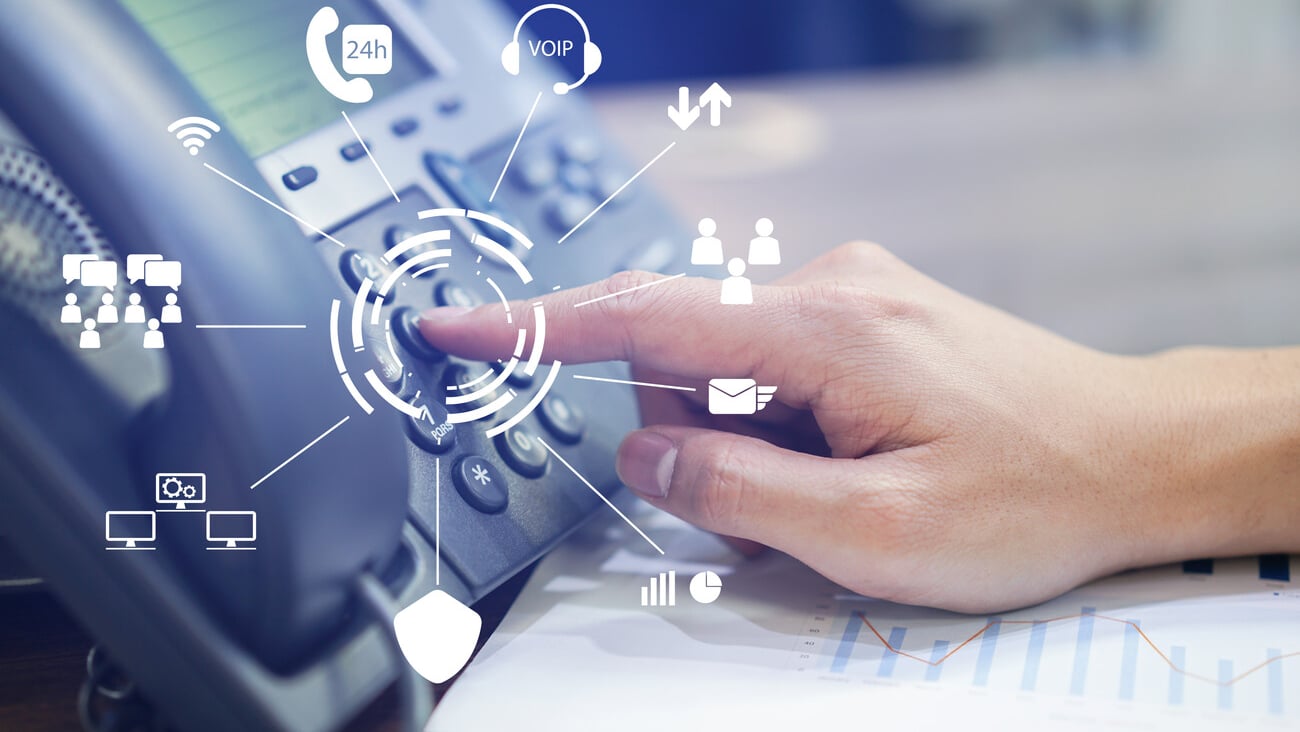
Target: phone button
pixel 358 266
pixel 406 328
pixel 535 172
pixel 566 211
pixel 353 151
pixel 480 484
pixel 452 294
pixel 431 431
pixel 562 419
pixel 299 177
pixel 461 380
pixel 581 149
pixel 523 452
pixel 405 126
pixel 517 377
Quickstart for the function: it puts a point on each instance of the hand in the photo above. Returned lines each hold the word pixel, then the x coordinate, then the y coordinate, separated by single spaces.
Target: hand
pixel 925 448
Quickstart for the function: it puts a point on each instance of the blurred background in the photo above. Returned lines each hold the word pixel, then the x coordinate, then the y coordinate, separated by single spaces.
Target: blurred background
pixel 1124 172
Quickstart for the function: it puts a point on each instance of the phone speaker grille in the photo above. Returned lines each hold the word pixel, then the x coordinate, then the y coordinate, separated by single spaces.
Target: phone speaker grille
pixel 40 221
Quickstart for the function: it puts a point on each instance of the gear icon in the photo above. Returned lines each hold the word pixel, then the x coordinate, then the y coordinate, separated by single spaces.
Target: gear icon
pixel 172 488
pixel 189 491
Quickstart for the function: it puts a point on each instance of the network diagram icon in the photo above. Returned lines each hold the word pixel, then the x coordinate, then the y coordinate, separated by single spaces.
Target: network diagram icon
pixel 180 490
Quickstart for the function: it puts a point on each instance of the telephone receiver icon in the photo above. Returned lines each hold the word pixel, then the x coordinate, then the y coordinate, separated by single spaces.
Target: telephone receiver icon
pixel 323 23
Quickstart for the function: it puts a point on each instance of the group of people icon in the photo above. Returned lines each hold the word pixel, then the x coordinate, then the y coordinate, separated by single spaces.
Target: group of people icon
pixel 132 313
pixel 764 249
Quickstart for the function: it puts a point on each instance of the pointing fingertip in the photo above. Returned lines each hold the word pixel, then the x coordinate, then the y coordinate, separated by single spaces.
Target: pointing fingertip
pixel 645 463
pixel 443 314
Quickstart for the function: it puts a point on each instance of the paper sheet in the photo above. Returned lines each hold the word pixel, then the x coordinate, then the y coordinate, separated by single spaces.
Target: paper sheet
pixel 783 648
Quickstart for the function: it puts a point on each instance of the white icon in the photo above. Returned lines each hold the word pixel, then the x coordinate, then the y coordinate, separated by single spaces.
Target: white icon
pixel 230 528
pixel 130 527
pixel 481 475
pixel 70 313
pixel 72 266
pixel 437 633
pixel 193 132
pixel 89 270
pixel 366 51
pixel 89 338
pixel 764 249
pixel 707 249
pixel 107 310
pixel 685 114
pixel 661 592
pixel 736 289
pixel 180 489
pixel 591 55
pixel 134 311
pixel 706 587
pixel 171 312
pixel 162 273
pixel 153 338
pixel 738 396
pixel 135 266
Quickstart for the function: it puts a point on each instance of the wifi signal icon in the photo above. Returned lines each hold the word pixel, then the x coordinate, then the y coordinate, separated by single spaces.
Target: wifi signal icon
pixel 194 132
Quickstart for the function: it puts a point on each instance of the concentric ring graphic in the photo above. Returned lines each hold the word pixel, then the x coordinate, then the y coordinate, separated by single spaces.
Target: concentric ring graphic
pixel 422 254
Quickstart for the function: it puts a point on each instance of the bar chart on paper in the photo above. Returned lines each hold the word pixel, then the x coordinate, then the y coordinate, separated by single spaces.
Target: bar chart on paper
pixel 1221 638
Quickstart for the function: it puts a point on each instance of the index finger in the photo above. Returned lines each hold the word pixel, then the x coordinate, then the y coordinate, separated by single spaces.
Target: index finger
pixel 672 324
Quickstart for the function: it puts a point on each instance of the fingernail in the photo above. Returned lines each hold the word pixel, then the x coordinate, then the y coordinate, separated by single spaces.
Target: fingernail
pixel 444 313
pixel 645 463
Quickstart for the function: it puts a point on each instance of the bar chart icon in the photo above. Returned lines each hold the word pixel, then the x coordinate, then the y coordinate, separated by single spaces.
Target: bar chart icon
pixel 661 592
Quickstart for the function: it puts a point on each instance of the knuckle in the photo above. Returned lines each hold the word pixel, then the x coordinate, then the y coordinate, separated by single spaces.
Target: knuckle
pixel 866 255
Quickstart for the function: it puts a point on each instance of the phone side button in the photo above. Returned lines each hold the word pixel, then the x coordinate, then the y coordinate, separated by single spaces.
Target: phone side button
pixel 480 484
pixel 299 177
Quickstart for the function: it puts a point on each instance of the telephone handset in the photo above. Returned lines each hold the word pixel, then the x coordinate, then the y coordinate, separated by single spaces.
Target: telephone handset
pixel 323 23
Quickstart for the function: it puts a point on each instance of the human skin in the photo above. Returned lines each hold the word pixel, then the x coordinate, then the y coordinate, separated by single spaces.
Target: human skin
pixel 924 447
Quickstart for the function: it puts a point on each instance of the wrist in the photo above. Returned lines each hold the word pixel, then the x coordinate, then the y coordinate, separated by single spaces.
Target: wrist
pixel 1216 452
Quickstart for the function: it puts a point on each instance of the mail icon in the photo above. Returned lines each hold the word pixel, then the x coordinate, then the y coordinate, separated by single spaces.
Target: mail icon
pixel 738 396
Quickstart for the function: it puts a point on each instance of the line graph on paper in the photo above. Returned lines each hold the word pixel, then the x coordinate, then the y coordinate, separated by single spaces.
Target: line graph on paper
pixel 1221 638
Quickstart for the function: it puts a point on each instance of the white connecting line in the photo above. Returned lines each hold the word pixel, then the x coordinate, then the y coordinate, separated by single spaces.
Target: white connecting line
pixel 294 456
pixel 598 493
pixel 249 327
pixel 587 218
pixel 630 289
pixel 275 205
pixel 366 147
pixel 633 383
pixel 514 149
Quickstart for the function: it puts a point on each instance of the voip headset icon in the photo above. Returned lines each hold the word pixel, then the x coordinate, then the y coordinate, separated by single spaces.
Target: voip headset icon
pixel 591 56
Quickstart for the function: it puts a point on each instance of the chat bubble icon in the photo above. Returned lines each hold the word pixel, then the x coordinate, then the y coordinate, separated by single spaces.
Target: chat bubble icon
pixel 135 265
pixel 161 273
pixel 72 266
pixel 99 274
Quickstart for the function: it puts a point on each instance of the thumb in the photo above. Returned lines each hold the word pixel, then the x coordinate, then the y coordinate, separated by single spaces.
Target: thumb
pixel 736 485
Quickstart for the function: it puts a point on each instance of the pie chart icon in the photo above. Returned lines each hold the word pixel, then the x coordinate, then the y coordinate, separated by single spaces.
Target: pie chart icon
pixel 705 587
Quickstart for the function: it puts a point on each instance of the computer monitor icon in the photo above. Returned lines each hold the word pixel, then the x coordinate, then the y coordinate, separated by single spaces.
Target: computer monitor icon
pixel 180 489
pixel 232 527
pixel 130 527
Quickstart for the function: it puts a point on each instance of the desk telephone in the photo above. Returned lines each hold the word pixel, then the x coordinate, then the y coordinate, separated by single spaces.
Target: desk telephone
pixel 274 638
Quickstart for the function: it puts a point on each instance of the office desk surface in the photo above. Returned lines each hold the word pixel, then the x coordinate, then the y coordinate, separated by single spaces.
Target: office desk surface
pixel 1130 209
pixel 1127 208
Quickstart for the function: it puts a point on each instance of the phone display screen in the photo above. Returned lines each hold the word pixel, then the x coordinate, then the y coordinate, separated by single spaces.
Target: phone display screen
pixel 247 59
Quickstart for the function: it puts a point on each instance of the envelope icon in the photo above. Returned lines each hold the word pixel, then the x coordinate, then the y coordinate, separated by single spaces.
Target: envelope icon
pixel 738 396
